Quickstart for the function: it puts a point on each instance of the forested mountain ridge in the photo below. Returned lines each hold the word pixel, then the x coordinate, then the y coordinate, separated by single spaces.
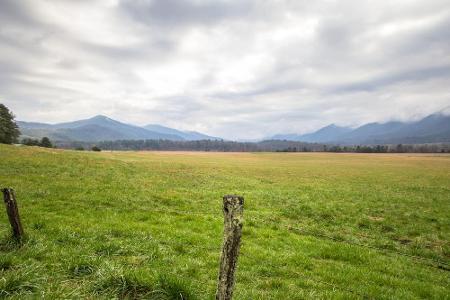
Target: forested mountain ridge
pixel 434 128
pixel 102 128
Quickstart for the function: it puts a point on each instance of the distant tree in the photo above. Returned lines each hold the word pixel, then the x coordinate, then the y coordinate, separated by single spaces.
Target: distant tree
pixel 97 149
pixel 30 142
pixel 79 148
pixel 9 131
pixel 335 149
pixel 45 142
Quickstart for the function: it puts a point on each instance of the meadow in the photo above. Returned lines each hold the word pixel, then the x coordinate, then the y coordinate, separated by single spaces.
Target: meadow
pixel 149 224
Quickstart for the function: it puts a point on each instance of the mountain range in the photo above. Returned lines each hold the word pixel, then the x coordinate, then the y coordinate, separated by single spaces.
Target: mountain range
pixel 102 128
pixel 434 128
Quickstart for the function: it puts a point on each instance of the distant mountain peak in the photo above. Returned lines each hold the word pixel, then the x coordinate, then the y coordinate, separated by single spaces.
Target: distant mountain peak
pixel 324 134
pixel 333 127
pixel 102 118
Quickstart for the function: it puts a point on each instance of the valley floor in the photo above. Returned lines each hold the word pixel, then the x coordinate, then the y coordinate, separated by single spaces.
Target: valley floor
pixel 149 224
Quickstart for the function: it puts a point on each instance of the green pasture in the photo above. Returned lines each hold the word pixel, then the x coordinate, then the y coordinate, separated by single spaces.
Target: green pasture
pixel 148 225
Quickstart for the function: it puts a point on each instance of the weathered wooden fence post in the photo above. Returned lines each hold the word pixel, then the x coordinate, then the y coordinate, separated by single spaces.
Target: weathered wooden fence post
pixel 13 212
pixel 233 216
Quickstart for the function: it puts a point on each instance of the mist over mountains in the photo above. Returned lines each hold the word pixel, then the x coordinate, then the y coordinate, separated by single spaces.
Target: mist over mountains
pixel 433 129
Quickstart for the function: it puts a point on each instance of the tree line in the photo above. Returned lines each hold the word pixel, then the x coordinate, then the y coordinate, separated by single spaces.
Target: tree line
pixel 263 146
pixel 44 142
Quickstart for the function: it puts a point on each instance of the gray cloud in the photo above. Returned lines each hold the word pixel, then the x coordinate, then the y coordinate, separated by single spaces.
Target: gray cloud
pixel 175 13
pixel 428 73
pixel 237 69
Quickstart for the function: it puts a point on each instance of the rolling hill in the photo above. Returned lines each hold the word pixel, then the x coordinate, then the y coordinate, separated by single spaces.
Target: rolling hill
pixel 102 128
pixel 187 135
pixel 322 135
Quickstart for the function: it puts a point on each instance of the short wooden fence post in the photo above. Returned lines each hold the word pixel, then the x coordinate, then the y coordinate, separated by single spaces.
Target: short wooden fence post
pixel 13 212
pixel 233 217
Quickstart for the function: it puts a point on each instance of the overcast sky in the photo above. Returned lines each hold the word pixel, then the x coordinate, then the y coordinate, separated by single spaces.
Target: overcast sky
pixel 235 69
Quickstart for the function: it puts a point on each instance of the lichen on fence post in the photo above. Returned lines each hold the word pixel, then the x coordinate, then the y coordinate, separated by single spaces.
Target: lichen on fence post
pixel 233 217
pixel 13 213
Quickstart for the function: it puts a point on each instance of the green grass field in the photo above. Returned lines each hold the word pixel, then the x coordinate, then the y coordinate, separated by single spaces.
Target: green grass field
pixel 149 224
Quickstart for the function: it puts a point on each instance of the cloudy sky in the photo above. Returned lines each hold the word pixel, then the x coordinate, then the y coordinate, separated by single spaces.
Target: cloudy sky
pixel 235 69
